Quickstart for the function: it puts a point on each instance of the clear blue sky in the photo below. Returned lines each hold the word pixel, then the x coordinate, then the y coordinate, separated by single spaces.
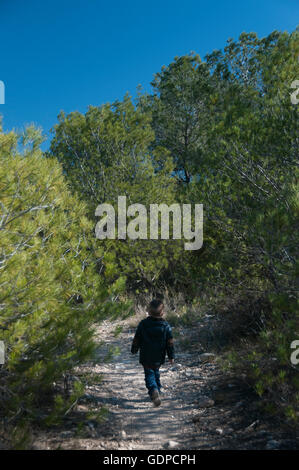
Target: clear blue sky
pixel 68 54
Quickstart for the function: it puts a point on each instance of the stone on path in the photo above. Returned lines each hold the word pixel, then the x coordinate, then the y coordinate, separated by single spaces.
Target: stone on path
pixel 171 444
pixel 207 357
pixel 205 402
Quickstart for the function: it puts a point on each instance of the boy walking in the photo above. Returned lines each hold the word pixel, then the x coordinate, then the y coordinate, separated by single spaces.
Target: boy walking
pixel 153 338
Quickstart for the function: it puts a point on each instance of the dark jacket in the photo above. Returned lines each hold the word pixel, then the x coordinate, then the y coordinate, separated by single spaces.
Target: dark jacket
pixel 153 338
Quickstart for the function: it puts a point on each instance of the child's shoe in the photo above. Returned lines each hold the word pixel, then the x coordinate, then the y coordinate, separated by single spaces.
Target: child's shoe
pixel 155 397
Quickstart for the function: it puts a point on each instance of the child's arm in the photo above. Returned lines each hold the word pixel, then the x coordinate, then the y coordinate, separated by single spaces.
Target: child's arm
pixel 169 344
pixel 136 341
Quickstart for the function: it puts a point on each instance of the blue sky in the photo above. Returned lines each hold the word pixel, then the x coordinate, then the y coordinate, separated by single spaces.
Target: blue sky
pixel 68 54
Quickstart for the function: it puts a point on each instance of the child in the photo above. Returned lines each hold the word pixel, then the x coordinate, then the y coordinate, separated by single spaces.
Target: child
pixel 154 338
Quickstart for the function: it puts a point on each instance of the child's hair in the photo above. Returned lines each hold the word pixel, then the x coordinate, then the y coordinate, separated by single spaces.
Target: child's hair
pixel 155 307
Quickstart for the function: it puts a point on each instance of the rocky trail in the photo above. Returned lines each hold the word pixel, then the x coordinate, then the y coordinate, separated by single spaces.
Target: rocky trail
pixel 202 408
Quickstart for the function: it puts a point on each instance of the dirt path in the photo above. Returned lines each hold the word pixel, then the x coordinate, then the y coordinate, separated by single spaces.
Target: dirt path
pixel 201 408
pixel 142 424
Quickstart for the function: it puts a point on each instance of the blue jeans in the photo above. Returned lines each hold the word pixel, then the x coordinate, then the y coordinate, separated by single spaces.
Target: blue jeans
pixel 152 379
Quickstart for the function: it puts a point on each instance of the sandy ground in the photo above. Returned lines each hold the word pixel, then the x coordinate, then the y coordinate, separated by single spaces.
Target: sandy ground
pixel 201 407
